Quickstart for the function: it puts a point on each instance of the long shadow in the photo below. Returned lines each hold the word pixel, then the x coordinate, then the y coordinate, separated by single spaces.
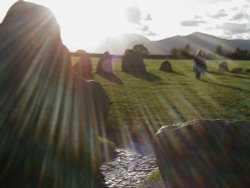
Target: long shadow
pixel 223 74
pixel 173 72
pixel 112 78
pixel 145 76
pixel 226 86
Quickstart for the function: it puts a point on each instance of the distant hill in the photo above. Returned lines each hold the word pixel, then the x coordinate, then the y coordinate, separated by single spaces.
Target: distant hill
pixel 201 41
pixel 195 40
pixel 126 41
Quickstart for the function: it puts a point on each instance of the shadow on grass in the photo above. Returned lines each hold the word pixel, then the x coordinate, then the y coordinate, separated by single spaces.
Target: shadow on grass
pixel 230 75
pixel 226 86
pixel 173 72
pixel 112 78
pixel 145 76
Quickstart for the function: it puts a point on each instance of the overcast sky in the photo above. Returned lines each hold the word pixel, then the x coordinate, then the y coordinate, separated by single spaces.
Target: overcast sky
pixel 84 23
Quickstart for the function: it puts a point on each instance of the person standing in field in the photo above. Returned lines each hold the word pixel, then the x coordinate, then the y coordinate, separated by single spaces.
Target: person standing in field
pixel 199 64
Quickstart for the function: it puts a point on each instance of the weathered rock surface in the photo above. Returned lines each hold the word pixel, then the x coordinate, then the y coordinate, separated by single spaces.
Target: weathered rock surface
pixel 204 153
pixel 128 169
pixel 132 62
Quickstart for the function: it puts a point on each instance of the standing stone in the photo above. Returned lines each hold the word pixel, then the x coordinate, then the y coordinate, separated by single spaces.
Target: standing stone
pixel 132 62
pixel 104 65
pixel 204 153
pixel 83 66
pixel 166 66
pixel 50 118
pixel 223 67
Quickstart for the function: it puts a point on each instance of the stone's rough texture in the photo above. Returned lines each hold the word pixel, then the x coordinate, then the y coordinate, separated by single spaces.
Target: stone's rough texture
pixel 83 66
pixel 104 65
pixel 166 67
pixel 128 169
pixel 132 62
pixel 223 67
pixel 204 153
pixel 50 118
pixel 237 70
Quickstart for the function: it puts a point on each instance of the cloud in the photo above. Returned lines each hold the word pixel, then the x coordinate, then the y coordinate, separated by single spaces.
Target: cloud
pixel 219 26
pixel 191 23
pixel 235 8
pixel 151 33
pixel 146 31
pixel 240 16
pixel 220 14
pixel 197 17
pixel 145 28
pixel 234 28
pixel 148 17
pixel 210 1
pixel 134 15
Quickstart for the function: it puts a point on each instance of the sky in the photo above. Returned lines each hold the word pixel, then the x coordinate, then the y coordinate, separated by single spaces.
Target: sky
pixel 85 23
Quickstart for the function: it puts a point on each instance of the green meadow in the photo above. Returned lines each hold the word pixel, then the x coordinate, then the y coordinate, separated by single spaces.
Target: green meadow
pixel 144 103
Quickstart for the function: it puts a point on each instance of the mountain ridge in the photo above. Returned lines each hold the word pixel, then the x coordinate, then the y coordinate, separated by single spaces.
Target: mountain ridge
pixel 196 40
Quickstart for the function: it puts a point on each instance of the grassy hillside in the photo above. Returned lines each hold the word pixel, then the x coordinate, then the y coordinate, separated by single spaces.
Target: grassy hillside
pixel 145 103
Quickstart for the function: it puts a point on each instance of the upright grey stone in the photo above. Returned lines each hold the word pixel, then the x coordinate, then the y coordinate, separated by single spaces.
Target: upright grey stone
pixel 166 66
pixel 104 65
pixel 83 67
pixel 132 62
pixel 223 67
pixel 51 119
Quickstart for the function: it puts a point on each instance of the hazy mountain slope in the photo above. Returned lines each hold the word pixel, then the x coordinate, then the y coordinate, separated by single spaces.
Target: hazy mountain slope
pixel 195 40
pixel 201 41
pixel 127 41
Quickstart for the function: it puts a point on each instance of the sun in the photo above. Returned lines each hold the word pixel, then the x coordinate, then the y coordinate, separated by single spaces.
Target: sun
pixel 85 24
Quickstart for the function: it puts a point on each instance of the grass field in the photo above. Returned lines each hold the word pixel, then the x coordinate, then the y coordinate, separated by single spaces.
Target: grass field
pixel 146 102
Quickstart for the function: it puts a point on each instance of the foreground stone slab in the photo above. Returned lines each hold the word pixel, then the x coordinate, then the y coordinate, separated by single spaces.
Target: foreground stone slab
pixel 204 153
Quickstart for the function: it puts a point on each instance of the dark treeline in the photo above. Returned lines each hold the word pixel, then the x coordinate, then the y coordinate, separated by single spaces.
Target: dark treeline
pixel 98 55
pixel 240 54
pixel 187 53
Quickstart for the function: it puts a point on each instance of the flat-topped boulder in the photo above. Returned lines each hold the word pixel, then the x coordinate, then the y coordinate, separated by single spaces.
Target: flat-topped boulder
pixel 132 62
pixel 204 153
